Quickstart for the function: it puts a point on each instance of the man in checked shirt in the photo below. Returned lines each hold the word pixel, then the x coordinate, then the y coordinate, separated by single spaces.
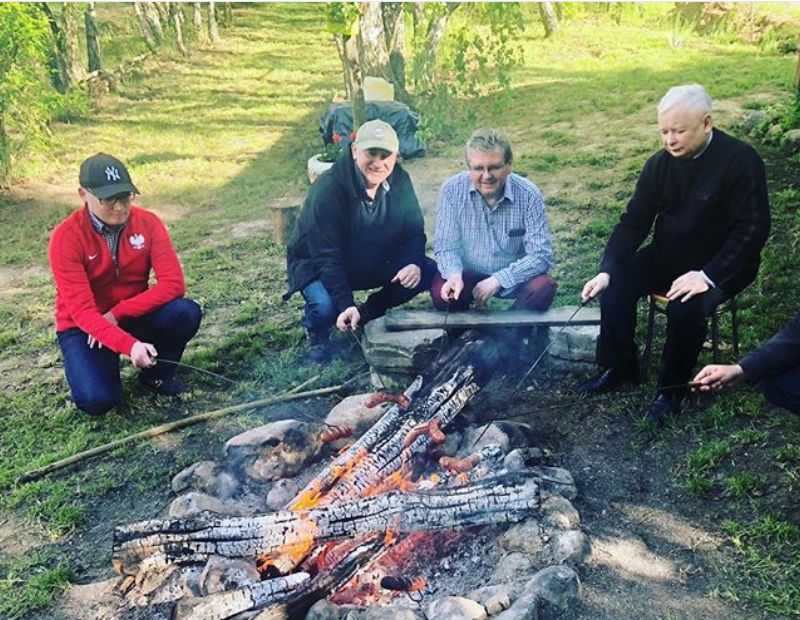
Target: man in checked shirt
pixel 491 238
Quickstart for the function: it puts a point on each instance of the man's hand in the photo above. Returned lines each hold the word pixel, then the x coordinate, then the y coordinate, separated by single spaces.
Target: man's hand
pixel 348 319
pixel 718 376
pixel 687 286
pixel 143 354
pixel 409 276
pixel 484 289
pixel 452 287
pixel 91 340
pixel 595 286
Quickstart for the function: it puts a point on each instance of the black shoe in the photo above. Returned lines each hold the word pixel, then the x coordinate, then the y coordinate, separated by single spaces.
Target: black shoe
pixel 319 346
pixel 165 387
pixel 607 380
pixel 660 409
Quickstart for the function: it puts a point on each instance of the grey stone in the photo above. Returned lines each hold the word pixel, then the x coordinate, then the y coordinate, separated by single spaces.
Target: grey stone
pixel 193 503
pixel 558 585
pixel 577 344
pixel 497 603
pixel 390 613
pixel 390 379
pixel 774 133
pixel 413 349
pixel 455 608
pixel 323 609
pixel 274 451
pixel 752 119
pixel 525 537
pixel 208 477
pixel 526 607
pixel 557 511
pixel 556 481
pixel 451 443
pixel 281 493
pixel 492 435
pixel 570 546
pixel 510 567
pixel 790 141
pixel 223 574
pixel 353 413
pixel 522 458
pixel 486 593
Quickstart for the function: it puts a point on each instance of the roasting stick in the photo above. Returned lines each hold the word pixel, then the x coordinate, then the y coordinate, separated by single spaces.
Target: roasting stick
pixel 364 353
pixel 533 366
pixel 293 394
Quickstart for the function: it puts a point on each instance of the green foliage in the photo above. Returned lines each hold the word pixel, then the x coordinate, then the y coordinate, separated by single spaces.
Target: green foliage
pixel 743 485
pixel 29 582
pixel 341 18
pixel 707 456
pixel 26 100
pixel 767 574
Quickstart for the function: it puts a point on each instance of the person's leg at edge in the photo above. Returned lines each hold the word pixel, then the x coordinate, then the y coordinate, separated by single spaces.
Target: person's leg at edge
pixel 393 294
pixel 319 316
pixel 783 391
pixel 92 374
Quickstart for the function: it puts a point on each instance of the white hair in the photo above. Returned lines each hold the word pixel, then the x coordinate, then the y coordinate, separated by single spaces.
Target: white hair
pixel 693 96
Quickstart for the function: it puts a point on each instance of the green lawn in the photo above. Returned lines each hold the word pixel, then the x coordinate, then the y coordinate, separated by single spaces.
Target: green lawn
pixel 213 140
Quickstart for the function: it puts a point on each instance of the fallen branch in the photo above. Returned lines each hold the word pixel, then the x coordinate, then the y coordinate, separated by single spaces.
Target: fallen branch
pixel 172 426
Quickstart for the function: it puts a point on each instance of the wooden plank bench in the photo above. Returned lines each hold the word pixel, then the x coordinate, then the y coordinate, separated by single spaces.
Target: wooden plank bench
pixel 399 320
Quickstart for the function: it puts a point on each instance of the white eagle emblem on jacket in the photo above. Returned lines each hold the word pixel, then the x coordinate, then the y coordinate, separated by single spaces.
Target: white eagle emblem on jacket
pixel 137 241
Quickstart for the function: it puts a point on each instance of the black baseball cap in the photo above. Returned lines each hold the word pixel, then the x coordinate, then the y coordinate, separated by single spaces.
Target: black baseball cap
pixel 106 176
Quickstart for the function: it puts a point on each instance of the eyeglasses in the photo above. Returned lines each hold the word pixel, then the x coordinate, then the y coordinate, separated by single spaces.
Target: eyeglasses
pixel 492 169
pixel 124 199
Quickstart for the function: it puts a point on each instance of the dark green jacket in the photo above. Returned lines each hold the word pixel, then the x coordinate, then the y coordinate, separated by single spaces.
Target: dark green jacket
pixel 336 243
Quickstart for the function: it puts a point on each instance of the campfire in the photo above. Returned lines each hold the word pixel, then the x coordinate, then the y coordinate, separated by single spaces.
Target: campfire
pixel 376 525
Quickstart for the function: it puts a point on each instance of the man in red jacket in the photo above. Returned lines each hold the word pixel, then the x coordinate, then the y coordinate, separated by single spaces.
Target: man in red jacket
pixel 101 257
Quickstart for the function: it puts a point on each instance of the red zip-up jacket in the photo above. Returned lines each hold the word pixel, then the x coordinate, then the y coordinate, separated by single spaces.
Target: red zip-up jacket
pixel 88 285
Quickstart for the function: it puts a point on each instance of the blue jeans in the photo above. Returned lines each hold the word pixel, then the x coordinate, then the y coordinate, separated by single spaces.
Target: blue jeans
pixel 320 313
pixel 93 374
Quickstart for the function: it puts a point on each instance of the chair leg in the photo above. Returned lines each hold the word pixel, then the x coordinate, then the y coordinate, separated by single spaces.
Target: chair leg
pixel 735 328
pixel 648 339
pixel 715 336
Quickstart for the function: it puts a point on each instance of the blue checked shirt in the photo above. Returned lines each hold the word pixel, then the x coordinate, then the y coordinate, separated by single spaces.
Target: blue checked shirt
pixel 510 241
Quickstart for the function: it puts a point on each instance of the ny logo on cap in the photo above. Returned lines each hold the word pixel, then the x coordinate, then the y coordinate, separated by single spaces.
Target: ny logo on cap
pixel 112 174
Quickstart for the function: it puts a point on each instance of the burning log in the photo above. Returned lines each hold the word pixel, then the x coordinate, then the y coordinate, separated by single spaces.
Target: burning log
pixel 227 604
pixel 162 543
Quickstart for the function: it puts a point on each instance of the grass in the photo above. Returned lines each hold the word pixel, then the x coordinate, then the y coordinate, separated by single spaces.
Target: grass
pixel 212 140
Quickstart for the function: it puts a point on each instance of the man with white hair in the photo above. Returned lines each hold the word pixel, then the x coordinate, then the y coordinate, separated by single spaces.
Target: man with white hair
pixel 705 195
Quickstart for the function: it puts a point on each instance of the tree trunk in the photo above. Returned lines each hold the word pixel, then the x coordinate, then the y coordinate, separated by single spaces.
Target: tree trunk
pixel 435 33
pixel 163 10
pixel 144 26
pixel 55 58
pixel 226 14
pixel 176 23
pixel 213 27
pixel 153 17
pixel 797 73
pixel 197 21
pixel 75 71
pixel 95 61
pixel 373 56
pixel 394 30
pixel 549 19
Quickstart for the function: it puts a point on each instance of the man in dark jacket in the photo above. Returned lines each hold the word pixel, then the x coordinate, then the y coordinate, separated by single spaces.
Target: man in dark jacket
pixel 774 367
pixel 706 192
pixel 360 228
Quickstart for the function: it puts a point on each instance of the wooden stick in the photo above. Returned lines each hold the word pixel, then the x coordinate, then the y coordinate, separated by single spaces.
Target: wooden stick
pixel 171 426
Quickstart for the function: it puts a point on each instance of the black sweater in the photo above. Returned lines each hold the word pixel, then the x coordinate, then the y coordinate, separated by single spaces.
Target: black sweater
pixel 335 241
pixel 710 213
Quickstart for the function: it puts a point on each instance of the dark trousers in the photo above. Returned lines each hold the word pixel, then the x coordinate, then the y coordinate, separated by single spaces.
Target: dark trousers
pixel 93 374
pixel 686 322
pixel 535 294
pixel 320 313
pixel 783 390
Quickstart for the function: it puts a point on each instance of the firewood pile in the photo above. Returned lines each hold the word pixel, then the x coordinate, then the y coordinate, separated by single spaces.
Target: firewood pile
pixel 366 526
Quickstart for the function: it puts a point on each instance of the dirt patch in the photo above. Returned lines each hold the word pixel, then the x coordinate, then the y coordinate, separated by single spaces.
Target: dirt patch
pixel 13 280
pixel 17 537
